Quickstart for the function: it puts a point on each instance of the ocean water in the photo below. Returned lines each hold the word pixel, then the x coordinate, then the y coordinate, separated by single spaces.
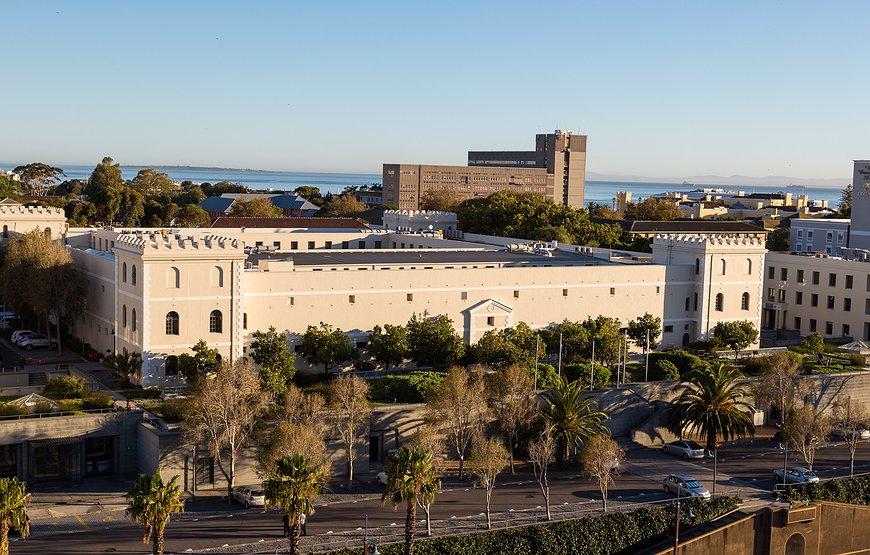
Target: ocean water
pixel 601 192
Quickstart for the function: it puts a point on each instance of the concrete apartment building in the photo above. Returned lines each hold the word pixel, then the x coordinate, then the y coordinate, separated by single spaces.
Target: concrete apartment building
pixel 825 286
pixel 556 169
pixel 158 292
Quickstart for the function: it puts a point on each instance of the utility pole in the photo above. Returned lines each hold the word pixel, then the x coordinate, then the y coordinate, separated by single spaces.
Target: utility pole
pixel 560 355
pixel 592 368
pixel 537 347
pixel 646 351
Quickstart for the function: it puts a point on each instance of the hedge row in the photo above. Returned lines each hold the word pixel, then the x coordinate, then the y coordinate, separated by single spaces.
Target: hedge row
pixel 855 491
pixel 406 388
pixel 612 533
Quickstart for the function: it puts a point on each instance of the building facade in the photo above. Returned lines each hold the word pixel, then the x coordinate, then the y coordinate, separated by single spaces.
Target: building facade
pixel 829 236
pixel 18 219
pixel 556 169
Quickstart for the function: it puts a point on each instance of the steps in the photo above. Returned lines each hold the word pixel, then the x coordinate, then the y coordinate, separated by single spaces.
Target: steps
pixel 36 379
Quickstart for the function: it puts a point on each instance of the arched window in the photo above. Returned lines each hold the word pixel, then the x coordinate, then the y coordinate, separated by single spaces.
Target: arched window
pixel 124 317
pixel 172 323
pixel 216 322
pixel 697 266
pixel 695 303
pixel 744 301
pixel 173 278
pixel 217 277
pixel 723 266
pixel 133 275
pixel 796 545
pixel 124 272
pixel 133 319
pixel 687 304
pixel 720 301
pixel 171 366
pixel 47 233
pixel 5 231
pixel 749 266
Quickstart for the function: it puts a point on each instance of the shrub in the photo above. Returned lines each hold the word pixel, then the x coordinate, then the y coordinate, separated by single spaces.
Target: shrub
pixel 684 362
pixel 582 372
pixel 304 379
pixel 548 378
pixel 410 388
pixel 663 370
pixel 601 534
pixel 64 387
pixel 92 400
pixel 856 359
pixel 170 411
pixel 855 491
pixel 11 410
pixel 150 393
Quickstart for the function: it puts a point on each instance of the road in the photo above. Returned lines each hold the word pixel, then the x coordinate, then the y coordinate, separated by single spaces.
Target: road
pixel 745 468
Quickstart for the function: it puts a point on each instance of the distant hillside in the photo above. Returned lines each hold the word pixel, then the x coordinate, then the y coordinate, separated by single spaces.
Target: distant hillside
pixel 742 180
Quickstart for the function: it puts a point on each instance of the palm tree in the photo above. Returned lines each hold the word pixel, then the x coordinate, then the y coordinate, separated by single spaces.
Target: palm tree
pixel 152 504
pixel 411 479
pixel 711 404
pixel 124 364
pixel 294 486
pixel 13 510
pixel 573 416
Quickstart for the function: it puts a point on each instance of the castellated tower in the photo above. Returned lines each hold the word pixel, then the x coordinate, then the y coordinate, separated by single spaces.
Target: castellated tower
pixel 194 291
pixel 711 279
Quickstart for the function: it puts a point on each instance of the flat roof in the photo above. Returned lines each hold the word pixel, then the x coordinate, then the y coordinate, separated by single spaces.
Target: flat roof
pixel 428 256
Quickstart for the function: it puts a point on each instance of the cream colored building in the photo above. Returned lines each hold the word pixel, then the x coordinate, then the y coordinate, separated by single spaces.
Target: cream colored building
pixel 158 292
pixel 17 219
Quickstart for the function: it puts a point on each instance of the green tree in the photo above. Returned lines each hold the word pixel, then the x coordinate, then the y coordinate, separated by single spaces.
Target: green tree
pixel 125 365
pixel 192 216
pixel 653 209
pixel 444 200
pixel 573 417
pixel 389 345
pixel 255 208
pixel 432 341
pixel 600 460
pixel 269 350
pixel 203 362
pixel 325 345
pixel 711 403
pixel 293 488
pixel 814 343
pixel 104 189
pixel 152 504
pixel 152 182
pixel 38 177
pixel 506 347
pixel 13 510
pixel 131 206
pixel 846 201
pixel 638 329
pixel 307 191
pixel 778 239
pixel 10 187
pixel 736 335
pixel 410 479
pixel 342 205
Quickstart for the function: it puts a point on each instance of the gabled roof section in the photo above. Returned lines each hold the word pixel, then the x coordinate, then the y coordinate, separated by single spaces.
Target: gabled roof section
pixel 9 202
pixel 496 306
pixel 217 204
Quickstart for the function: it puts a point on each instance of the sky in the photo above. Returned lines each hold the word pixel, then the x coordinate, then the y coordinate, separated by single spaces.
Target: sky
pixel 666 88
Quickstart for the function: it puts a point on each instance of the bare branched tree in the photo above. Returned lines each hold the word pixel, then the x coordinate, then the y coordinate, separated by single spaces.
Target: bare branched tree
pixel 850 419
pixel 458 407
pixel 300 431
pixel 488 459
pixel 224 409
pixel 805 429
pixel 779 383
pixel 512 401
pixel 429 439
pixel 542 453
pixel 349 399
pixel 601 459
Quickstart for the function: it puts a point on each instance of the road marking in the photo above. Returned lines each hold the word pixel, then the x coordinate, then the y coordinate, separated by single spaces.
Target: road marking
pixel 82 522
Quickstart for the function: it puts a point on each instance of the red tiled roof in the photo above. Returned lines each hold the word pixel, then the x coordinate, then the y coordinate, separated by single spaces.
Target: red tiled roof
pixel 293 223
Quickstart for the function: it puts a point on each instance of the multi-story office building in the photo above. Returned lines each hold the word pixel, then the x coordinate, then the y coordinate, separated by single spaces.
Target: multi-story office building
pixel 829 236
pixel 555 169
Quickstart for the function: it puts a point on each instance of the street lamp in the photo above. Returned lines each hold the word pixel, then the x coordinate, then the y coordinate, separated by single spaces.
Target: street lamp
pixel 374 546
pixel 677 529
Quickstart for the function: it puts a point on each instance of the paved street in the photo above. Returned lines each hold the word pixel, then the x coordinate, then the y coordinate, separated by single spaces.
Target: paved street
pixel 744 468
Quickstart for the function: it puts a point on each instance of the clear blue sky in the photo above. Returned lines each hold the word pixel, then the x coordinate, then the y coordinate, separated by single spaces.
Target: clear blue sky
pixel 661 88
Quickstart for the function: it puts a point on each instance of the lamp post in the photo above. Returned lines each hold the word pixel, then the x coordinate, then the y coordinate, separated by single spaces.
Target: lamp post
pixel 677 528
pixel 537 348
pixel 646 349
pixel 366 546
pixel 560 355
pixel 592 368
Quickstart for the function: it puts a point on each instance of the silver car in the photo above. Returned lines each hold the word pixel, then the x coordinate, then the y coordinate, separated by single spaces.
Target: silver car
pixel 684 448
pixel 18 335
pixel 685 486
pixel 36 341
pixel 859 433
pixel 795 475
pixel 249 496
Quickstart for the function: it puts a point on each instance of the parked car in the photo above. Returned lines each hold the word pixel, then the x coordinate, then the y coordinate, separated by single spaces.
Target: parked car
pixel 686 449
pixel 19 334
pixel 36 341
pixel 858 432
pixel 249 496
pixel 685 486
pixel 381 478
pixel 795 475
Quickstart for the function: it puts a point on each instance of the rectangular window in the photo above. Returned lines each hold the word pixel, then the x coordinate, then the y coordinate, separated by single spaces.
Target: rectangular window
pixel 258 243
pixel 797 323
pixel 830 302
pixel 847 304
pixel 311 245
pixel 516 294
pixel 812 325
pixel 490 320
pixel 276 244
pixel 829 237
pixel 345 244
pixel 245 321
pixel 292 301
pixel 783 274
pixel 294 245
pixel 613 290
pixel 669 329
pixel 846 329
pixel 378 244
pixel 327 245
pixel 799 297
pixel 409 296
pixel 832 280
pixel 800 234
pixel 829 328
pixel 840 238
pixel 464 295
pixel 351 299
pixel 849 282
pixel 361 245
pixel 814 300
pixel 779 297
pixel 771 272
pixel 771 294
pixel 564 292
pixel 809 235
pixel 800 276
pixel 815 278
pixel 867 306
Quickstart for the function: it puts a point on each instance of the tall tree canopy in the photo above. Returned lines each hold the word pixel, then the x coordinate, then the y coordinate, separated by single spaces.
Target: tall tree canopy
pixel 269 350
pixel 432 341
pixel 38 177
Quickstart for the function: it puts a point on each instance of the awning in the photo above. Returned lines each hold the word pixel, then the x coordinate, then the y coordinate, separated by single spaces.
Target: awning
pixel 55 441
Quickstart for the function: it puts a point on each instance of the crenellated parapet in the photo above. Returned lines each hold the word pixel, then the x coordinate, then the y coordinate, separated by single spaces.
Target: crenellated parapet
pixel 11 210
pixel 157 242
pixel 698 240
